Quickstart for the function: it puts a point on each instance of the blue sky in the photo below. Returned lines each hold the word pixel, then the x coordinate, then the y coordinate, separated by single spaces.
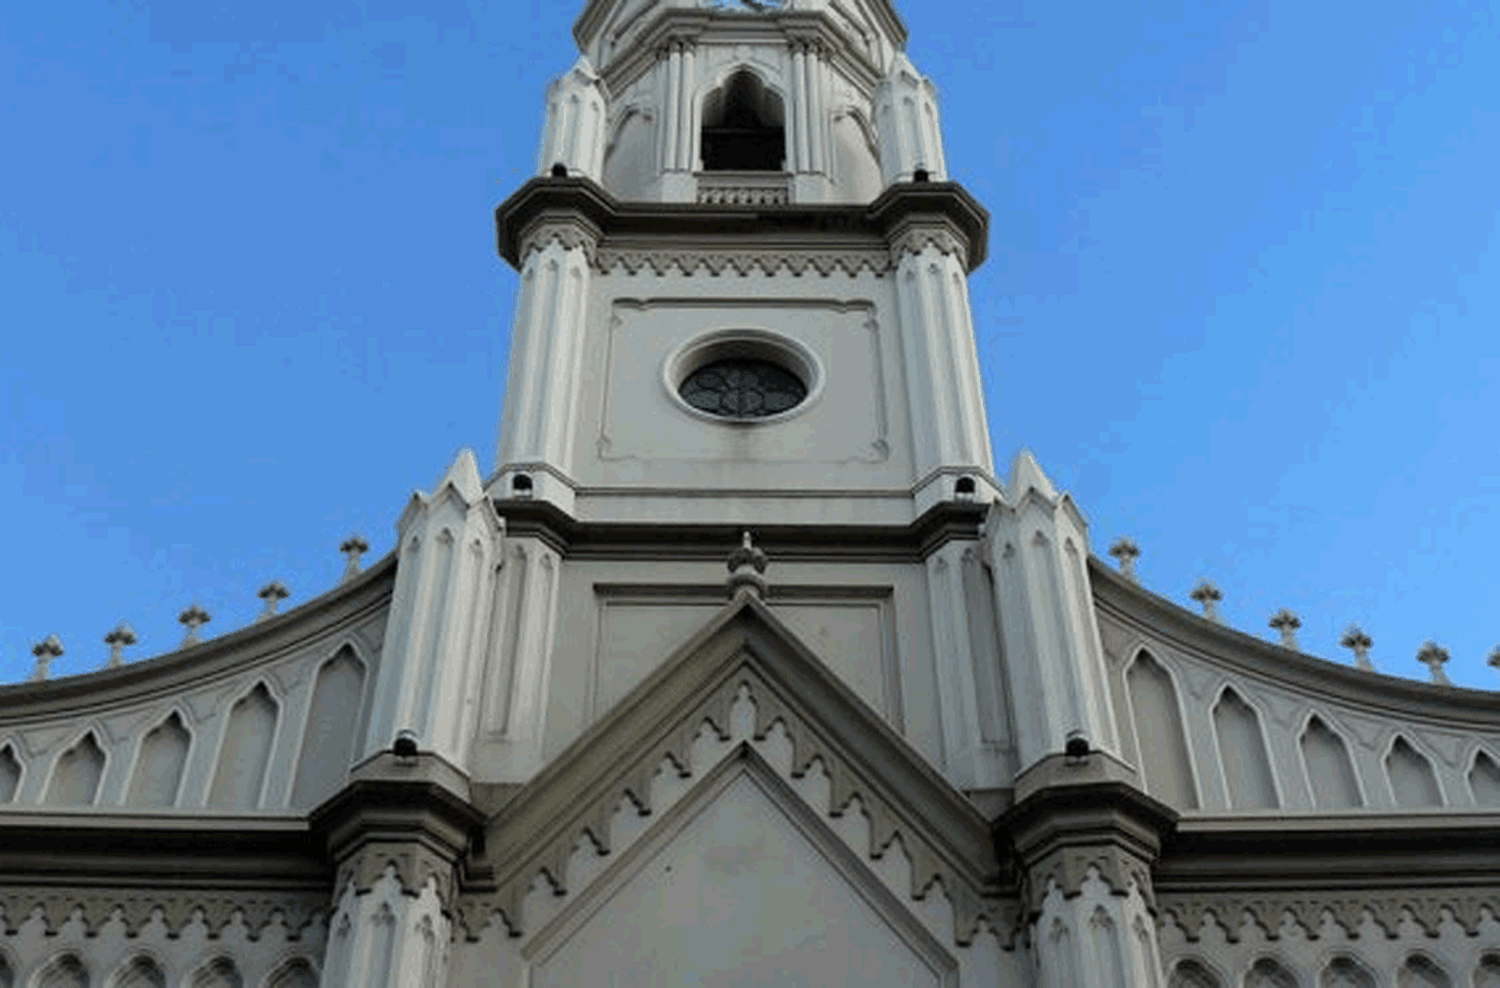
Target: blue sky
pixel 1242 300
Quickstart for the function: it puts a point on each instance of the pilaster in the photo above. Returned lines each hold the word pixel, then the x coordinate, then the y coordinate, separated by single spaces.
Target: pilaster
pixel 910 139
pixel 575 129
pixel 1037 543
pixel 449 546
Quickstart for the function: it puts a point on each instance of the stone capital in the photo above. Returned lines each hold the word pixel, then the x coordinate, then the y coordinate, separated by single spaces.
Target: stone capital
pixel 1073 814
pixel 412 813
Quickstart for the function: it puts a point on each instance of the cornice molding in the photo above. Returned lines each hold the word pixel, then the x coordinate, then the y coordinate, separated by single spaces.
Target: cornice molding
pixel 745 648
pixel 1233 910
pixel 1345 687
pixel 1344 863
pixel 258 645
pixel 574 539
pixel 714 229
pixel 179 863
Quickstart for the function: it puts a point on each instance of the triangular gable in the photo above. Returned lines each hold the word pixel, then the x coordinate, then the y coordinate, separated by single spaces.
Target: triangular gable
pixel 744 646
pixel 753 911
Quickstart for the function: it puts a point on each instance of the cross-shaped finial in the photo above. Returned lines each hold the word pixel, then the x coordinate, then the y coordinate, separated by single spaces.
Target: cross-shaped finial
pixel 1126 551
pixel 1287 623
pixel 45 651
pixel 194 618
pixel 1208 595
pixel 1359 642
pixel 272 593
pixel 746 566
pixel 117 640
pixel 353 547
pixel 1433 655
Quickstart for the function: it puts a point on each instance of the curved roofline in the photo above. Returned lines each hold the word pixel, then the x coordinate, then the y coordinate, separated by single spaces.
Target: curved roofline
pixel 259 640
pixel 1252 656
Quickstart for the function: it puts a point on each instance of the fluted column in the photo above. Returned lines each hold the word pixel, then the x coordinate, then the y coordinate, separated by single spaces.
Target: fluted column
pixel 947 412
pixel 449 544
pixel 1038 547
pixel 546 355
pixel 816 122
pixel 968 762
pixel 671 120
pixel 686 128
pixel 799 97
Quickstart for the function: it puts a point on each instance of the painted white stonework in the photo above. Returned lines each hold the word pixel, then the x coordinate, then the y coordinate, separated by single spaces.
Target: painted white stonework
pixel 847 764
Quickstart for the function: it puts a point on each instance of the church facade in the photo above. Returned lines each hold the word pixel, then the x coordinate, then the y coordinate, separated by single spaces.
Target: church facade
pixel 745 666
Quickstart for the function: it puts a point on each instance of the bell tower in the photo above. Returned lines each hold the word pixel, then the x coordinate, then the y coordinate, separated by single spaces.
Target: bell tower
pixel 743 286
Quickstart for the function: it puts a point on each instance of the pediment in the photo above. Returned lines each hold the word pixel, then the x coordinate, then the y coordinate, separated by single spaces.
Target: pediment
pixel 741 880
pixel 744 654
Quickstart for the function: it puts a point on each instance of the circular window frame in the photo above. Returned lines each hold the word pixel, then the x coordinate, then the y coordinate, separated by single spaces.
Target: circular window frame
pixel 752 344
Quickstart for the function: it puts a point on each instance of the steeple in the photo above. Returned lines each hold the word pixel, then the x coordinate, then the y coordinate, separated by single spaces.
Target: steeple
pixel 743 275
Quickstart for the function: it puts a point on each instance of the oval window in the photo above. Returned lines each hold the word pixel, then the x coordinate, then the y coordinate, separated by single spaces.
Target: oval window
pixel 742 387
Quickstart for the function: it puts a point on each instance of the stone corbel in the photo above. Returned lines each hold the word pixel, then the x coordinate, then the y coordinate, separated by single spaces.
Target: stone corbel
pixel 1060 828
pixel 913 238
pixel 572 232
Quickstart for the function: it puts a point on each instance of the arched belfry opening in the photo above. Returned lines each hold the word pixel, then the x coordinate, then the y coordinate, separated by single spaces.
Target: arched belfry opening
pixel 744 127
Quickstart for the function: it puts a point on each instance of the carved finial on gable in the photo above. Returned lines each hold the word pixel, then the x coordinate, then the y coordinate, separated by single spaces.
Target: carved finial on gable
pixel 272 593
pixel 1359 642
pixel 117 640
pixel 1287 623
pixel 1433 655
pixel 193 618
pixel 45 651
pixel 1126 551
pixel 746 566
pixel 1208 595
pixel 353 547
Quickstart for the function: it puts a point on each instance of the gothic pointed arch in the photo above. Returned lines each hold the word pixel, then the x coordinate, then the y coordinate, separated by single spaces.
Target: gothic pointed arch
pixel 221 972
pixel 1484 779
pixel 1413 782
pixel 76 773
pixel 1421 971
pixel 1242 753
pixel 10 772
pixel 139 971
pixel 64 971
pixel 1269 972
pixel 245 751
pixel 1161 742
pixel 1330 771
pixel 1193 973
pixel 297 972
pixel 160 759
pixel 328 736
pixel 743 125
pixel 1346 971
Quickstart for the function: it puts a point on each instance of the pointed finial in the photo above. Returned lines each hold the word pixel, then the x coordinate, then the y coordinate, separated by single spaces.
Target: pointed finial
pixel 272 593
pixel 45 651
pixel 353 547
pixel 194 618
pixel 117 640
pixel 746 566
pixel 1433 655
pixel 1287 623
pixel 1126 551
pixel 1209 595
pixel 1356 640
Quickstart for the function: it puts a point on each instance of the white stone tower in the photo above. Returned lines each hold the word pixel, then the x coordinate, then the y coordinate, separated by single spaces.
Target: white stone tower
pixel 743 306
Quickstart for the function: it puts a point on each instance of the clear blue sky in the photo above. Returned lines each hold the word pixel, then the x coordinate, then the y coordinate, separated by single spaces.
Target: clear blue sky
pixel 1243 294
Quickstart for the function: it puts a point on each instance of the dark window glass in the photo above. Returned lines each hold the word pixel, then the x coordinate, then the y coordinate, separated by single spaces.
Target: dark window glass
pixel 741 388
